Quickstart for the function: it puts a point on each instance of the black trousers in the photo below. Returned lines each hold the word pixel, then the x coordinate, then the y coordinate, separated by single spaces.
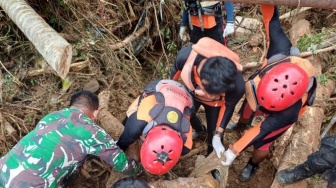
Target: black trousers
pixel 132 132
pixel 215 32
pixel 325 157
pixel 211 114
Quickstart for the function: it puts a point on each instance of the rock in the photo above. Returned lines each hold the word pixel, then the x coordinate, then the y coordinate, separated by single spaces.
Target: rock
pixel 246 25
pixel 255 40
pixel 92 86
pixel 299 28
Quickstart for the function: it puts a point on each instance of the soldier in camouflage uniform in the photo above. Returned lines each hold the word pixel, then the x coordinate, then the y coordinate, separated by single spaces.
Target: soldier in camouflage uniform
pixel 59 144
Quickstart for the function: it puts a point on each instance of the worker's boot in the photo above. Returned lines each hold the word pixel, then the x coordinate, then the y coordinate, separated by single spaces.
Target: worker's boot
pixel 248 171
pixel 236 127
pixel 295 174
pixel 215 173
pixel 195 134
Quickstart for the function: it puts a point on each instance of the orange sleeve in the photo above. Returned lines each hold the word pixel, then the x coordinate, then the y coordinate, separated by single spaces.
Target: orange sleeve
pixel 188 144
pixel 302 111
pixel 248 136
pixel 177 75
pixel 220 115
pixel 267 12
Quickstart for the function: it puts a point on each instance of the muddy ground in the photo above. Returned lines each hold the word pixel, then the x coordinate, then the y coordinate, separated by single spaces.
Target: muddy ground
pixel 92 27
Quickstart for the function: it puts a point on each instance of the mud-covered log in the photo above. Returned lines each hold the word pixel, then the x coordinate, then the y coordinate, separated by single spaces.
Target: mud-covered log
pixel 54 48
pixel 105 119
pixel 205 165
pixel 199 148
pixel 206 181
pixel 200 176
pixel 325 4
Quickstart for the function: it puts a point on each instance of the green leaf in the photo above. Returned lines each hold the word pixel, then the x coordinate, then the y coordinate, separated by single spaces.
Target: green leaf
pixel 66 83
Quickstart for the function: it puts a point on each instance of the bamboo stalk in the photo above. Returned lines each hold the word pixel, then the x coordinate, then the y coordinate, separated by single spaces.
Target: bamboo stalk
pixel 76 66
pixel 309 53
pixel 54 48
pixel 294 13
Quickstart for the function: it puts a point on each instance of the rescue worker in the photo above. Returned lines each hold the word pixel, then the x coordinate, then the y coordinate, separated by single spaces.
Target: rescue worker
pixel 160 116
pixel 205 19
pixel 280 90
pixel 213 76
pixel 59 144
pixel 322 161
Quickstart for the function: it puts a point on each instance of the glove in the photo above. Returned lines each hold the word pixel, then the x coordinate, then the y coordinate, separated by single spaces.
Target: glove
pixel 217 145
pixel 330 176
pixel 181 33
pixel 229 29
pixel 229 156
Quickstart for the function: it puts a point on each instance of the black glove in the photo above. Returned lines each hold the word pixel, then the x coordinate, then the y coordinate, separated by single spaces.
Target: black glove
pixel 330 176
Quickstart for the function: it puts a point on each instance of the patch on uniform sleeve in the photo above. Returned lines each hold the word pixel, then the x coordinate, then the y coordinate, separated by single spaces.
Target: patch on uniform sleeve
pixel 172 117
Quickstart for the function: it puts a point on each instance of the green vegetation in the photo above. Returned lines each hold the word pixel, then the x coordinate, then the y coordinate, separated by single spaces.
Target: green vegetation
pixel 313 41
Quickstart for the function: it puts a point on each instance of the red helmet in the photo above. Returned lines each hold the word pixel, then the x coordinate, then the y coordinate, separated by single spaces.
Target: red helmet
pixel 161 150
pixel 282 86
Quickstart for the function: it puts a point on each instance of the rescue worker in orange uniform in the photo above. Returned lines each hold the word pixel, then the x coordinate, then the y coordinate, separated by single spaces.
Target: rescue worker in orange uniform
pixel 213 76
pixel 160 116
pixel 280 90
pixel 205 19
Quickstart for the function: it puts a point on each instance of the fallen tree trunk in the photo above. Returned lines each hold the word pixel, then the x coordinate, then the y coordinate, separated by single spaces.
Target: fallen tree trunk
pixel 199 148
pixel 200 176
pixel 203 181
pixel 203 167
pixel 105 119
pixel 326 4
pixel 54 48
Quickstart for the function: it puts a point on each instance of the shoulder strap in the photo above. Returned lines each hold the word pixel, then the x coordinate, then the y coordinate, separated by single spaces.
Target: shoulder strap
pixel 305 64
pixel 187 71
pixel 150 88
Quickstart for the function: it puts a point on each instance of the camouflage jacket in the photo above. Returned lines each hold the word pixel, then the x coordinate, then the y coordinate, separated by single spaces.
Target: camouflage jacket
pixel 56 147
